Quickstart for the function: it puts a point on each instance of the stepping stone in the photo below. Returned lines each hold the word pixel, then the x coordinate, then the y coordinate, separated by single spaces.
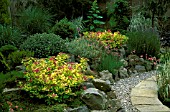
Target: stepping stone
pixel 143 92
pixel 148 84
pixel 152 108
pixel 145 100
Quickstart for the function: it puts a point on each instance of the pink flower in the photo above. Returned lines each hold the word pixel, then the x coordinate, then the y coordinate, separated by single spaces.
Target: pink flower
pixel 11 110
pixel 16 107
pixel 84 87
pixel 20 109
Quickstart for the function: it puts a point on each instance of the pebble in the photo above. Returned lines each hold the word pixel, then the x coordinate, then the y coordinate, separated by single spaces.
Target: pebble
pixel 123 88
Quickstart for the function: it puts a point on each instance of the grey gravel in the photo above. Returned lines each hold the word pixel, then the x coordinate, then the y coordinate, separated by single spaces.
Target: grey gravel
pixel 123 88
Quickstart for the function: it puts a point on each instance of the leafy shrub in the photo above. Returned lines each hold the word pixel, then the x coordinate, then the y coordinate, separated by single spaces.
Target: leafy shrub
pixel 9 79
pixel 7 49
pixel 10 35
pixel 34 20
pixel 84 47
pixel 163 79
pixel 44 45
pixel 93 19
pixel 17 56
pixel 3 63
pixel 109 62
pixel 109 39
pixel 53 78
pixel 64 28
pixel 144 43
pixel 118 13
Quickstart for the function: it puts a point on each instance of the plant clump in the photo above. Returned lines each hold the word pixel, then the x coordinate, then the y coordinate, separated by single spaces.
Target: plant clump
pixel 53 79
pixel 109 39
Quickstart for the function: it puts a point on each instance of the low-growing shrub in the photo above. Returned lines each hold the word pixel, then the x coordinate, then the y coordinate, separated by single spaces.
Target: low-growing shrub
pixel 16 57
pixel 109 39
pixel 88 48
pixel 44 45
pixel 145 43
pixel 64 28
pixel 53 79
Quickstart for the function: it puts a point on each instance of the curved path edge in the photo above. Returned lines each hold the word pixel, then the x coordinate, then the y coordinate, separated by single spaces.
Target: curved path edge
pixel 144 96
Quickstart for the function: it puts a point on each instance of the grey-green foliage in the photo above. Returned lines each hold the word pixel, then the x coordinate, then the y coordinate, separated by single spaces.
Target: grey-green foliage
pixel 10 35
pixel 34 20
pixel 163 78
pixel 44 45
pixel 139 23
pixel 144 43
pixel 85 48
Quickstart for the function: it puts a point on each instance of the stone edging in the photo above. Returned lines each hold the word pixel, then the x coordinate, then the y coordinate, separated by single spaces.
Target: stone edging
pixel 144 97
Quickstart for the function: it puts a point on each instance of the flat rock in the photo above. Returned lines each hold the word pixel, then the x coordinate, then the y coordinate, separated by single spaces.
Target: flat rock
pixel 145 100
pixel 147 84
pixel 152 108
pixel 143 92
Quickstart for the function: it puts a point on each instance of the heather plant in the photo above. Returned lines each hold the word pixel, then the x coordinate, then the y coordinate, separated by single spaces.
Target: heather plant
pixel 163 79
pixel 107 38
pixel 53 79
pixel 44 45
pixel 94 18
pixel 83 47
pixel 64 28
pixel 144 43
pixel 34 20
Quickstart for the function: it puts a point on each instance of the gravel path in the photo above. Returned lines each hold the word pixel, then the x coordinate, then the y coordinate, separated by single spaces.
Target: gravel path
pixel 123 88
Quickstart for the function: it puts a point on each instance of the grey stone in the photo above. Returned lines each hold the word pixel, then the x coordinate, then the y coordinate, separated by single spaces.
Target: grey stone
pixel 101 85
pixel 94 99
pixel 113 105
pixel 123 73
pixel 135 60
pixel 20 68
pixel 111 95
pixel 106 75
pixel 140 68
pixel 122 52
pixel 125 63
pixel 88 85
pixel 79 109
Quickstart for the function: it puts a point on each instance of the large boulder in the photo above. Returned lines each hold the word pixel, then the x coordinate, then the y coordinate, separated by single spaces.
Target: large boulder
pixel 94 99
pixel 123 72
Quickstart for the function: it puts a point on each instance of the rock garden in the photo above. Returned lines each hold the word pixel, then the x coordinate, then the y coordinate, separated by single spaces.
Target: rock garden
pixel 91 56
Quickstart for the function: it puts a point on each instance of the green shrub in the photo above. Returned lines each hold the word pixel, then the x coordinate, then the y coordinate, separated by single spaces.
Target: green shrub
pixel 88 48
pixel 109 62
pixel 10 35
pixel 163 79
pixel 17 56
pixel 4 66
pixel 7 49
pixel 64 28
pixel 53 79
pixel 34 20
pixel 44 45
pixel 144 43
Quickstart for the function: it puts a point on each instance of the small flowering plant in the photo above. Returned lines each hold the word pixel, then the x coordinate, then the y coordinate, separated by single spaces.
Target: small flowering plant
pixel 53 78
pixel 109 39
